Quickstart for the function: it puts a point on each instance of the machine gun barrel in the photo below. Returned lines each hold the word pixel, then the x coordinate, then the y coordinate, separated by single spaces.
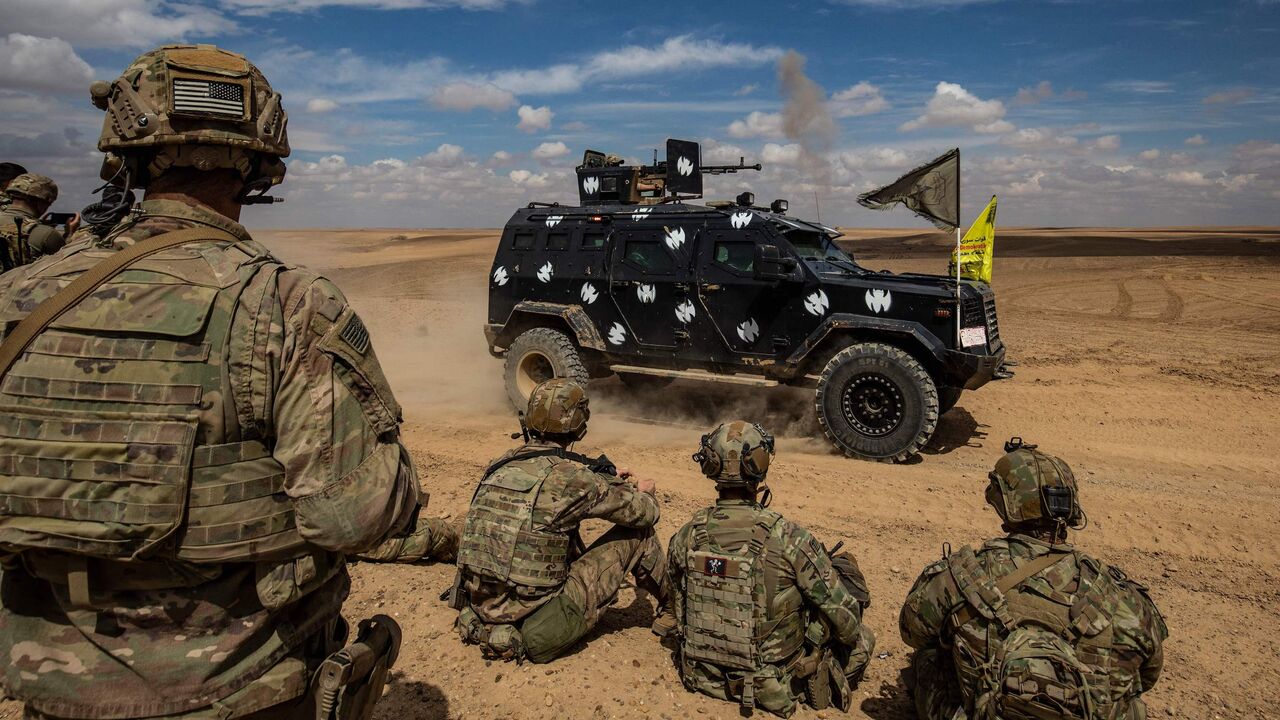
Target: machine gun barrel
pixel 726 169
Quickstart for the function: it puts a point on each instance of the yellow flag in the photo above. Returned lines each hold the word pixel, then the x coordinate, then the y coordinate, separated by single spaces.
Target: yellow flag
pixel 978 246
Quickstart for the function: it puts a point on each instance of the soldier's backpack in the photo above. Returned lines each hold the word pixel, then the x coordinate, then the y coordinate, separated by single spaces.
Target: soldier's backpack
pixel 725 603
pixel 1031 667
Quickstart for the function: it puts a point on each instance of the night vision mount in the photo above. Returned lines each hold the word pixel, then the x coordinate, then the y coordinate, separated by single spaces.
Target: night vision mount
pixel 606 179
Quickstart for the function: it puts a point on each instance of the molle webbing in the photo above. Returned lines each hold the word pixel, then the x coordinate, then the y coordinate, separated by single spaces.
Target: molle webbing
pixel 725 611
pixel 499 540
pixel 976 586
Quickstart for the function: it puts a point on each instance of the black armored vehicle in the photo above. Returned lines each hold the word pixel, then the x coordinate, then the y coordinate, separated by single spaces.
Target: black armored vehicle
pixel 639 282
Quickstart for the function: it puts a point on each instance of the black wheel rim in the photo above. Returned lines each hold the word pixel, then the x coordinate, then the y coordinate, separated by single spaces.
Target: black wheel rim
pixel 872 404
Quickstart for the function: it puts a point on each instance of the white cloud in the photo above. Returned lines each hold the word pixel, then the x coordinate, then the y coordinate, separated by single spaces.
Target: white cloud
pixel 1029 186
pixel 1151 154
pixel 550 150
pixel 528 179
pixel 1196 139
pixel 321 105
pixel 1141 87
pixel 953 106
pixel 680 53
pixel 746 89
pixel 757 125
pixel 533 119
pixel 1237 183
pixel 875 159
pixel 114 23
pixel 465 96
pixel 1033 95
pixel 501 157
pixel 36 63
pixel 447 155
pixel 1041 138
pixel 1190 178
pixel 858 100
pixel 775 154
pixel 1105 142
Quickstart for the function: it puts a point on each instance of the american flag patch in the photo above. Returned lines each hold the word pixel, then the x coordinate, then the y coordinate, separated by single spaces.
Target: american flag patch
pixel 208 96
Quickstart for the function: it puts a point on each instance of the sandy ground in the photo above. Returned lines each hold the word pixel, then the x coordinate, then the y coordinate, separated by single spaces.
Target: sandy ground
pixel 1150 360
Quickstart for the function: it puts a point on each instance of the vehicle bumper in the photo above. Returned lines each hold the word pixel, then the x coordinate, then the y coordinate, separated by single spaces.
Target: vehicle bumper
pixel 491 331
pixel 969 371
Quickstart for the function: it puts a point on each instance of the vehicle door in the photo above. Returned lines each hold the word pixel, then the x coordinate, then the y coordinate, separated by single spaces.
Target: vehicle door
pixel 749 310
pixel 649 280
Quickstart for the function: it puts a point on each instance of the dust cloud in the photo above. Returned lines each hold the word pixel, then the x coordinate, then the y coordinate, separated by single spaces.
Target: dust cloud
pixel 806 118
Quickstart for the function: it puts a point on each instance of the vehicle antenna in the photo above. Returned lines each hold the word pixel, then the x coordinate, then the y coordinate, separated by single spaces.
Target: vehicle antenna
pixel 817 209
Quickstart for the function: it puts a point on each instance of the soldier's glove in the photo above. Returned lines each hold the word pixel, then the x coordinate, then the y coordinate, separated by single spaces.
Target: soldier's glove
pixel 851 578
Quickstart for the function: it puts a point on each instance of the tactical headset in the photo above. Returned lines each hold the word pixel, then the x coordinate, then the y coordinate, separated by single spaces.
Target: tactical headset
pixel 753 464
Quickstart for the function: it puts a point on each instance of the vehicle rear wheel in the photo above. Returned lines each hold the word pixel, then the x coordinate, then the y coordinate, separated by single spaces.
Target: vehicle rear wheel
pixel 538 355
pixel 639 383
pixel 876 402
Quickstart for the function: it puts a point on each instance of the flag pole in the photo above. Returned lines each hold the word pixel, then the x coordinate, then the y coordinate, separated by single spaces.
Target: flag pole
pixel 959 305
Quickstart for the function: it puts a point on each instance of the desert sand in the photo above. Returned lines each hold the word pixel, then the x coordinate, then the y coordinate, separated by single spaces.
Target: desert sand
pixel 1149 360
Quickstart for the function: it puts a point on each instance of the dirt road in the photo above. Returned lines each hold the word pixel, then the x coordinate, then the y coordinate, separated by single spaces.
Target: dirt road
pixel 1149 360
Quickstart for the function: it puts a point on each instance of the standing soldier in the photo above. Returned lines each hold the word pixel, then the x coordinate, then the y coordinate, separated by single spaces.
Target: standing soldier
pixel 23 237
pixel 526 587
pixel 1028 627
pixel 188 447
pixel 763 615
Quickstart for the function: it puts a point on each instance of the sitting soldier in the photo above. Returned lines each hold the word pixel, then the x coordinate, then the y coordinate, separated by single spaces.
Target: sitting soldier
pixel 1028 627
pixel 23 235
pixel 763 614
pixel 526 587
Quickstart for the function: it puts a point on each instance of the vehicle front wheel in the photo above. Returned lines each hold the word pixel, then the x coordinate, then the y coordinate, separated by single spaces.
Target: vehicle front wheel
pixel 538 355
pixel 877 402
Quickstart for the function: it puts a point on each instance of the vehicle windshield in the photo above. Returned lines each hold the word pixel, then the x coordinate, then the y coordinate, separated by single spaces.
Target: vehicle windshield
pixel 814 245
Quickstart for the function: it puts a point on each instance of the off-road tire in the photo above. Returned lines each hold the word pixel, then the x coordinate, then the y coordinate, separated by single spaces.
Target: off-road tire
pixel 948 397
pixel 639 383
pixel 884 389
pixel 540 354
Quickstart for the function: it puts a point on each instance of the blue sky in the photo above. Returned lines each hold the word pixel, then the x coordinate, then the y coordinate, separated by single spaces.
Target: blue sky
pixel 440 113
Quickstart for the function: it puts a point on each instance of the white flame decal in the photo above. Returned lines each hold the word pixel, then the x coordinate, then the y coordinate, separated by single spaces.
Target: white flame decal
pixel 684 166
pixel 545 272
pixel 591 185
pixel 740 220
pixel 500 276
pixel 879 300
pixel 749 330
pixel 617 334
pixel 817 303
pixel 675 238
pixel 589 293
pixel 554 220
pixel 646 293
pixel 641 213
pixel 685 312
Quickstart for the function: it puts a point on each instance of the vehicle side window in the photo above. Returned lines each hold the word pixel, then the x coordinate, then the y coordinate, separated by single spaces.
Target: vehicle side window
pixel 593 239
pixel 558 241
pixel 740 256
pixel 523 240
pixel 649 256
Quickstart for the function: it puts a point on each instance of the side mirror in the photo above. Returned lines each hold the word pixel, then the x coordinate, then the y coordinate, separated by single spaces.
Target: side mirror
pixel 771 264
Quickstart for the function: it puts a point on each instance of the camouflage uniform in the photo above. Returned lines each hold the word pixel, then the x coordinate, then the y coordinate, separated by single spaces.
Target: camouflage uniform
pixel 528 587
pixel 174 540
pixel 955 617
pixel 808 627
pixel 23 237
pixel 432 538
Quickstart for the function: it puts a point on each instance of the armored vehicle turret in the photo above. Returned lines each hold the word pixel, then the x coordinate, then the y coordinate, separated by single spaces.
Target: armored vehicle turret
pixel 640 282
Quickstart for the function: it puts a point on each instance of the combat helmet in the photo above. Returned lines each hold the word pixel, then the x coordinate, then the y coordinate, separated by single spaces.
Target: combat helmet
pixel 1032 489
pixel 558 407
pixel 191 105
pixel 735 453
pixel 36 187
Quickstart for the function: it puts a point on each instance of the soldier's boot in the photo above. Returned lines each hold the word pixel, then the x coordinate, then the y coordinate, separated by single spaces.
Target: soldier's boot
pixel 593 582
pixel 433 539
pixel 934 687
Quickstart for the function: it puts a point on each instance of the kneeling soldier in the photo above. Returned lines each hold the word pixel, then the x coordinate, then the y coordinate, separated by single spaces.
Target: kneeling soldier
pixel 763 614
pixel 526 586
pixel 1028 627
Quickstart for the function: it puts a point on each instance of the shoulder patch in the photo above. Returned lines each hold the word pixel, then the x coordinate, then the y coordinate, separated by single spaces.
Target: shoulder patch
pixel 355 334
